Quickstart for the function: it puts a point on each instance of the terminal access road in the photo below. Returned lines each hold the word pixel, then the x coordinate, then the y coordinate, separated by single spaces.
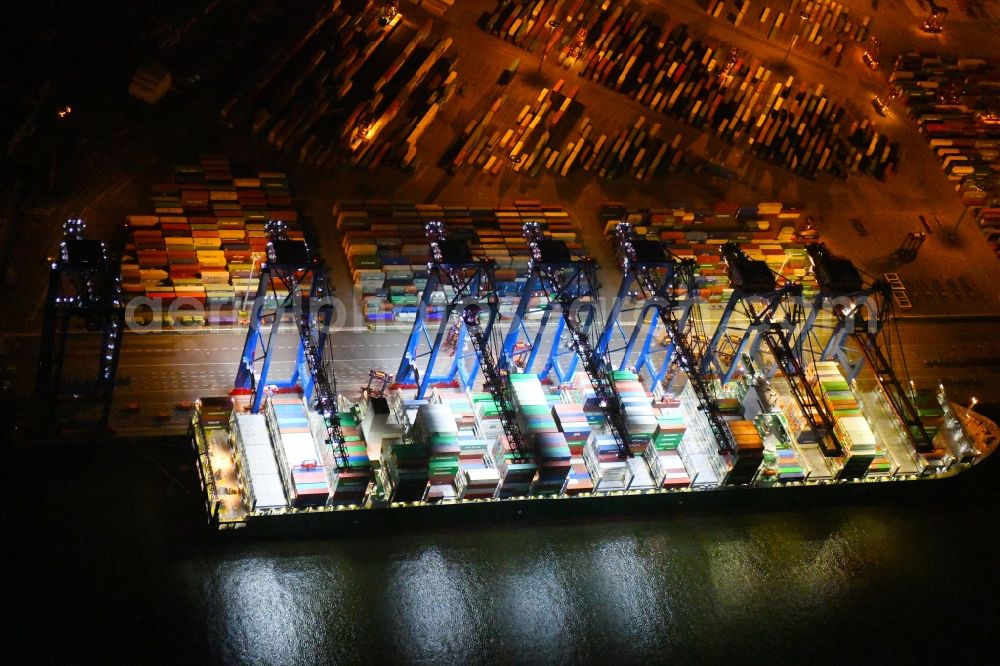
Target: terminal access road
pixel 158 371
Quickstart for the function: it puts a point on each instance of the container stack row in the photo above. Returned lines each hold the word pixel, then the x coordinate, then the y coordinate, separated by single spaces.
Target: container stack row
pixel 664 461
pixel 822 28
pixel 698 449
pixel 663 67
pixel 607 469
pixel 861 449
pixel 554 132
pixel 749 454
pixel 435 426
pixel 724 220
pixel 541 434
pixel 386 247
pixel 255 463
pixel 406 466
pixel 517 473
pixel 956 105
pixel 472 479
pixel 353 90
pixel 302 470
pixel 781 456
pixel 206 238
pixel 488 423
pixel 640 417
pixel 350 485
pixel 699 236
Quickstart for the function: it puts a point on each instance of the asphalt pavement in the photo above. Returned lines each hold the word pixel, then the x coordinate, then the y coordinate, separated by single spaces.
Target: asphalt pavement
pixel 161 370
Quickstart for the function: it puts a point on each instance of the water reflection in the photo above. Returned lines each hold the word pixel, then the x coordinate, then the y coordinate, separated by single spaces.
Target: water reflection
pixel 433 603
pixel 711 587
pixel 267 610
pixel 537 598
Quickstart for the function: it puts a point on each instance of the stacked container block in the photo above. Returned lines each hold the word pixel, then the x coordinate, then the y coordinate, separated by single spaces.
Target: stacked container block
pixel 255 463
pixel 303 473
pixel 852 429
pixel 665 68
pixel 386 247
pixel 350 485
pixel 205 240
pixel 664 461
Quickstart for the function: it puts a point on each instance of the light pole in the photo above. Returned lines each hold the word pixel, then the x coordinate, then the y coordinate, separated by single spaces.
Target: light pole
pixel 954 231
pixel 795 40
pixel 972 406
pixel 61 115
pixel 552 24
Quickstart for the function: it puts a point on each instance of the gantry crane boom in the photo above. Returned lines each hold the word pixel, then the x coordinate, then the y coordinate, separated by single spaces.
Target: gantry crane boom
pixel 548 257
pixel 753 278
pixel 289 262
pixel 815 411
pixel 840 280
pixel 901 404
pixel 451 261
pixel 685 348
pixel 324 392
pixel 495 381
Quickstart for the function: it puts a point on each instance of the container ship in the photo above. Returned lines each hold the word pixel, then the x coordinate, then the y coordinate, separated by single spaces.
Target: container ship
pixel 522 398
pixel 272 473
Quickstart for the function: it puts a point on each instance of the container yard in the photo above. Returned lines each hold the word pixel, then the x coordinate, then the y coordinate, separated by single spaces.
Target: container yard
pixel 387 253
pixel 360 88
pixel 661 65
pixel 953 101
pixel 821 29
pixel 204 242
pixel 555 134
pixel 522 382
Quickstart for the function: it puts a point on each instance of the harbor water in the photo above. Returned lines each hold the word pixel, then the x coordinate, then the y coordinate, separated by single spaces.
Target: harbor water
pixel 107 558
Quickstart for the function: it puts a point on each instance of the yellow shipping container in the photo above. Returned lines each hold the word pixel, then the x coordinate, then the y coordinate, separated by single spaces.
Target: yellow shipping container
pixel 142 221
pixel 215 277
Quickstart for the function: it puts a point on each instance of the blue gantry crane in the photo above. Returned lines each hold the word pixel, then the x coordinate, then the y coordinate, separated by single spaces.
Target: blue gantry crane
pixel 451 268
pixel 756 288
pixel 658 275
pixel 472 284
pixel 526 341
pixel 280 295
pixel 84 286
pixel 571 288
pixel 651 281
pixel 843 289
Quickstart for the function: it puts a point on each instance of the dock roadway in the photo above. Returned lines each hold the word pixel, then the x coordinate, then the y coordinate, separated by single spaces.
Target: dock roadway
pixel 159 370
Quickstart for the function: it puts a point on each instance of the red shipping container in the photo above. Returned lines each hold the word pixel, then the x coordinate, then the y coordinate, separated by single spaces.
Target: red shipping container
pixel 194 197
pixel 286 215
